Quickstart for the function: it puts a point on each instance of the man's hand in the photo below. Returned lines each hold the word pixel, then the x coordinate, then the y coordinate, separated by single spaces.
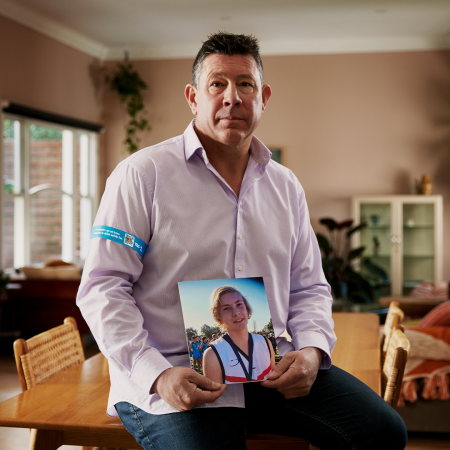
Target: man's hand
pixel 184 388
pixel 296 372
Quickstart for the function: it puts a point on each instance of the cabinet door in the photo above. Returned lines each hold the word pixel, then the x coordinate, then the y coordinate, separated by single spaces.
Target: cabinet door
pixel 419 246
pixel 376 237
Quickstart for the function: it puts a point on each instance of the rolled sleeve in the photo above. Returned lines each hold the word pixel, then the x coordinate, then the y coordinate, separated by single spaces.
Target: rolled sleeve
pixel 309 321
pixel 105 296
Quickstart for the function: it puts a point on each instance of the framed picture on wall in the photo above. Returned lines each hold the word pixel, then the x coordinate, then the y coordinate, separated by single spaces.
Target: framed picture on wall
pixel 276 155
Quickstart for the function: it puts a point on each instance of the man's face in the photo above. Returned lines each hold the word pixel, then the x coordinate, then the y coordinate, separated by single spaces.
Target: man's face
pixel 229 99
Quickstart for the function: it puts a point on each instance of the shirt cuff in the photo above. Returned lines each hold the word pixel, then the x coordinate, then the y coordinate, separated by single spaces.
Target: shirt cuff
pixel 308 339
pixel 148 368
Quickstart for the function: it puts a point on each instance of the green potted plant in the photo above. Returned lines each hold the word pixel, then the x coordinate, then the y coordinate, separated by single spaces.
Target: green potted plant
pixel 339 263
pixel 126 81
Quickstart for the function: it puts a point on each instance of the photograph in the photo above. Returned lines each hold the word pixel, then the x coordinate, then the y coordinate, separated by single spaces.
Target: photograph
pixel 229 329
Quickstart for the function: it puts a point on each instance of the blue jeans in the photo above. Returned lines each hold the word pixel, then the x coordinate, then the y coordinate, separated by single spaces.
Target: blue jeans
pixel 340 412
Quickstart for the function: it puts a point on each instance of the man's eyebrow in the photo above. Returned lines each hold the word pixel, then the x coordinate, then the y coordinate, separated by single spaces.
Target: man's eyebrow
pixel 224 74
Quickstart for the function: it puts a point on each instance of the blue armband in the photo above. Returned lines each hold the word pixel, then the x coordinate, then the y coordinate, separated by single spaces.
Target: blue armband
pixel 113 234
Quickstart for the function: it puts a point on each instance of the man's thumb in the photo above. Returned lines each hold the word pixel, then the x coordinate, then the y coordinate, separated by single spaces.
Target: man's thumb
pixel 205 383
pixel 280 368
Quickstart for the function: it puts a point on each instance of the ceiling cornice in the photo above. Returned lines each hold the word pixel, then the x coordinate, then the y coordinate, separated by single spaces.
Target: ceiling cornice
pixel 43 24
pixel 49 27
pixel 292 47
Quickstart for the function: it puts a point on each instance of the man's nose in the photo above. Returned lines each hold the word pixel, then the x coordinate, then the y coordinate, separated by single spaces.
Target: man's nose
pixel 231 96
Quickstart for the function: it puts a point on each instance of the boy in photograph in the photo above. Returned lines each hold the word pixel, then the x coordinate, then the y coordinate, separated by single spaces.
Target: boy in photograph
pixel 238 356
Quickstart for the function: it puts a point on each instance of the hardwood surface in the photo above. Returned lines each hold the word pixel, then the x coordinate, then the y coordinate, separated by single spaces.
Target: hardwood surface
pixel 73 404
pixel 357 349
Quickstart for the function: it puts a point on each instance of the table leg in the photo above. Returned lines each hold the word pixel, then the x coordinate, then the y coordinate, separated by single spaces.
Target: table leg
pixel 45 440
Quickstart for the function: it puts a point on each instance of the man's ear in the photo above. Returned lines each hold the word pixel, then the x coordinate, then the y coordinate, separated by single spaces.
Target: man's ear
pixel 266 93
pixel 190 93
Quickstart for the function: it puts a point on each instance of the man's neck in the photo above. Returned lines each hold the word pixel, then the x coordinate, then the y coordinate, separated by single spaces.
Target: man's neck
pixel 229 161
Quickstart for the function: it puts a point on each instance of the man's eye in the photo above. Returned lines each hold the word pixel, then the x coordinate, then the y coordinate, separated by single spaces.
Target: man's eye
pixel 216 84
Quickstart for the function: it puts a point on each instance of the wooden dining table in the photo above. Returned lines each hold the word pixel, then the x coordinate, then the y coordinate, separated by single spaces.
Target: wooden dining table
pixel 70 408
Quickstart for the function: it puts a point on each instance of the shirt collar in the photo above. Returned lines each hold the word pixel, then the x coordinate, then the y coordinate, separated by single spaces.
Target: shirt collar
pixel 258 151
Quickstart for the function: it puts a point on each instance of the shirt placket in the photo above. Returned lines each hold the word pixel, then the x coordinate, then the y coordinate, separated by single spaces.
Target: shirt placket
pixel 239 258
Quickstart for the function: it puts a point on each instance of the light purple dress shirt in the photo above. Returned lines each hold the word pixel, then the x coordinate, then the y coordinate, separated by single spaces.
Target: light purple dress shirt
pixel 172 198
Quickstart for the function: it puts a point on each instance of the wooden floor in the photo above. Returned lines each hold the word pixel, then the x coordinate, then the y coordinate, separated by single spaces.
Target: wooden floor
pixel 17 439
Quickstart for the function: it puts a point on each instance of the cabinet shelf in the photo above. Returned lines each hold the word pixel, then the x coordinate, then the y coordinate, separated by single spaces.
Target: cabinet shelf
pixel 403 236
pixel 411 283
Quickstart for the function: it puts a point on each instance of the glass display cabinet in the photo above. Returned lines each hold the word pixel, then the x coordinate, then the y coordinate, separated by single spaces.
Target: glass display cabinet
pixel 404 236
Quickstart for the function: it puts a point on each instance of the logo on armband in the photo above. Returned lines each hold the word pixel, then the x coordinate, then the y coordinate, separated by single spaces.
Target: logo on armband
pixel 119 236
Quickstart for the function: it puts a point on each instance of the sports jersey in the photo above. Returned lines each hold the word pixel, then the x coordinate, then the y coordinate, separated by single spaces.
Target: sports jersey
pixel 196 348
pixel 232 362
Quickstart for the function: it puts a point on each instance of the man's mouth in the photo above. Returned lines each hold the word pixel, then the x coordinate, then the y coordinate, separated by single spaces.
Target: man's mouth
pixel 232 117
pixel 238 320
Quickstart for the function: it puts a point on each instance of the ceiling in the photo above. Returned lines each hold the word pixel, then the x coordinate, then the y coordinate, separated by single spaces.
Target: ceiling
pixel 175 28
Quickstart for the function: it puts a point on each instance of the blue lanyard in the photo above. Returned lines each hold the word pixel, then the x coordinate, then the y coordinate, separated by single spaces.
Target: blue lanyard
pixel 248 373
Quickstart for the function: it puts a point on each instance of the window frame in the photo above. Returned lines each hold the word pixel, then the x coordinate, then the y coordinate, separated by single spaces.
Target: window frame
pixel 69 247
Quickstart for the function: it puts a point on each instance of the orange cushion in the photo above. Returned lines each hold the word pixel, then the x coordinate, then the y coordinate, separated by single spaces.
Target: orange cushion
pixel 438 316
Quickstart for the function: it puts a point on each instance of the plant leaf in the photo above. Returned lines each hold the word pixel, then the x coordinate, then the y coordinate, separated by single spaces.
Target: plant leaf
pixel 329 223
pixel 324 244
pixel 376 270
pixel 344 224
pixel 355 252
pixel 359 289
pixel 356 228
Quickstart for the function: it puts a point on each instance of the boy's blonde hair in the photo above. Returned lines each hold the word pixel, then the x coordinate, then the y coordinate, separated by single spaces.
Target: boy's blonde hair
pixel 216 303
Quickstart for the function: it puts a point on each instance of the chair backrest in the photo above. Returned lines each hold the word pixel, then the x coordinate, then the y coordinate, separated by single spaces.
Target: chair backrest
pixel 394 317
pixel 44 355
pixel 394 366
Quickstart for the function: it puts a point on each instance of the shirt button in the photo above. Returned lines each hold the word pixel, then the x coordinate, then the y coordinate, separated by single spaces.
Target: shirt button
pixel 239 268
pixel 240 236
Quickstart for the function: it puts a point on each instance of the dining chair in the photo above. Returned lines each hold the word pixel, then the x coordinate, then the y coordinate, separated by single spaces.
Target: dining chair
pixel 394 366
pixel 394 317
pixel 45 355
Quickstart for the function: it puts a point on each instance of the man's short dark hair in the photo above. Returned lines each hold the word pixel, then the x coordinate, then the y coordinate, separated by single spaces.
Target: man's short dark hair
pixel 222 43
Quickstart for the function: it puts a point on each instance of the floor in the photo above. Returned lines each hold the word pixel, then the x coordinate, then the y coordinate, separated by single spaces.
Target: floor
pixel 17 439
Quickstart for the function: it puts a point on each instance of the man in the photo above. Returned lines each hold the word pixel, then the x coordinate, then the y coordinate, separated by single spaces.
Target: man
pixel 211 204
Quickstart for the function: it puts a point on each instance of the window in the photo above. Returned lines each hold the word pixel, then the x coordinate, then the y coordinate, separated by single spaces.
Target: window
pixel 49 193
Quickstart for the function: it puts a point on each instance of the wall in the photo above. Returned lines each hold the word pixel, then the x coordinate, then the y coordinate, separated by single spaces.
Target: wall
pixel 355 124
pixel 347 124
pixel 39 72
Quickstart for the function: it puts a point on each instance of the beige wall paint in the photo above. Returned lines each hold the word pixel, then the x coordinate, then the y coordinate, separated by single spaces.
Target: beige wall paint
pixel 40 72
pixel 355 124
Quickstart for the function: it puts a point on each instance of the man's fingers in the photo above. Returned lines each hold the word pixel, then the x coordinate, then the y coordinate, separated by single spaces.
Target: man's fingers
pixel 205 383
pixel 284 380
pixel 209 396
pixel 281 367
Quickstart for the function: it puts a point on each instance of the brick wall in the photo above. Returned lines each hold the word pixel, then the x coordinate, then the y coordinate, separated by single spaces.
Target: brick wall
pixel 45 206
